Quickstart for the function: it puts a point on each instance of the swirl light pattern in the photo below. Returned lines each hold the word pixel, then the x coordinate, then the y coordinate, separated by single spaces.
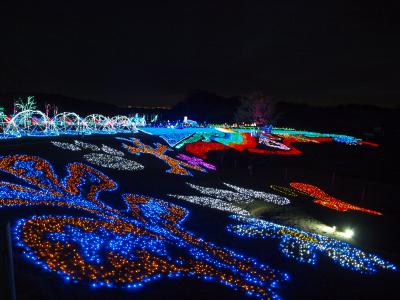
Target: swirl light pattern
pixel 117 248
pixel 305 247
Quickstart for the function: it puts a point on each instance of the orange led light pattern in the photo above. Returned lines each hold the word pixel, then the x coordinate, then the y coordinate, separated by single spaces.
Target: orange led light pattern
pixel 326 200
pixel 176 166
pixel 117 248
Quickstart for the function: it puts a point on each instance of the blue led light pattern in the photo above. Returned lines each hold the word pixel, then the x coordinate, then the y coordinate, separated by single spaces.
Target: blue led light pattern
pixel 305 247
pixel 115 248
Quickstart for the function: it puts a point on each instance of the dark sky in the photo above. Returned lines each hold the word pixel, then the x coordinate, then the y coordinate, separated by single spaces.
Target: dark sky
pixel 154 53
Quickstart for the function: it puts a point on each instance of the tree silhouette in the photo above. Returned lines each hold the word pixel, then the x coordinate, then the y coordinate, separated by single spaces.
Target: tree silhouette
pixel 255 108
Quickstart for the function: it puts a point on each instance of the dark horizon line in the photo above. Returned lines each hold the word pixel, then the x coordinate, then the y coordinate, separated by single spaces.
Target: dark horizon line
pixel 291 98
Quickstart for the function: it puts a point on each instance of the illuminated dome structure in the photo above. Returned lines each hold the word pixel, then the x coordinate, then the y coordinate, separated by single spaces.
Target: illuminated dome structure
pixel 123 124
pixel 99 124
pixel 68 123
pixel 30 122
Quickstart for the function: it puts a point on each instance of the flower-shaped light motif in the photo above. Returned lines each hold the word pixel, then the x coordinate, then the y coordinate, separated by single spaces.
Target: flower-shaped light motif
pixel 326 200
pixel 305 247
pixel 113 247
pixel 176 166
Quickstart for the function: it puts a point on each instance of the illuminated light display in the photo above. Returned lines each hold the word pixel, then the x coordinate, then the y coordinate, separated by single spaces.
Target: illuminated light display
pixel 66 146
pixel 198 137
pixel 267 197
pixel 341 138
pixel 294 137
pixel 305 247
pixel 348 140
pixel 286 191
pixel 214 203
pixel 370 144
pixel 173 138
pixel 176 166
pixel 230 138
pixel 111 158
pixel 238 141
pixel 87 146
pixel 117 248
pixel 32 122
pixel 229 200
pixel 201 148
pixel 113 162
pixel 69 123
pixel 326 200
pixel 111 151
pixel 271 143
pixel 196 161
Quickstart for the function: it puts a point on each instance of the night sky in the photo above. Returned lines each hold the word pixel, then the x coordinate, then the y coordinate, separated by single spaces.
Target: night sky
pixel 155 53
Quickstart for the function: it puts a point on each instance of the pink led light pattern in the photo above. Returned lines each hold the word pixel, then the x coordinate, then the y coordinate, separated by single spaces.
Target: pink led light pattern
pixel 196 161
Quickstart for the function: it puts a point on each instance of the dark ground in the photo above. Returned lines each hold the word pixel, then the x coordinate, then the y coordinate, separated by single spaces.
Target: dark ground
pixel 355 168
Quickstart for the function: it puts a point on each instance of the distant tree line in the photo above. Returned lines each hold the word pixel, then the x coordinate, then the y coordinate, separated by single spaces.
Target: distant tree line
pixel 256 107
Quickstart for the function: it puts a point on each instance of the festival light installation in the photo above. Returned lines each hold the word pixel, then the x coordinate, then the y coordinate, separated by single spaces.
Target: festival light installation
pixel 111 151
pixel 66 146
pixel 201 144
pixel 31 122
pixel 271 143
pixel 196 161
pixel 213 203
pixel 117 248
pixel 230 200
pixel 341 138
pixel 112 162
pixel 176 166
pixel 285 190
pixel 29 104
pixel 109 158
pixel 34 122
pixel 69 123
pixel 322 198
pixel 305 247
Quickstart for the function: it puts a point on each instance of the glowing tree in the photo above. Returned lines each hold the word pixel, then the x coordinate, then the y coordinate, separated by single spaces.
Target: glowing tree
pixel 2 115
pixel 30 104
pixel 255 108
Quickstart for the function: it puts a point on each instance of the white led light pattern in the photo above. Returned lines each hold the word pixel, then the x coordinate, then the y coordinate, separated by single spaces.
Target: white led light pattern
pixel 111 151
pixel 87 146
pixel 111 158
pixel 113 162
pixel 227 200
pixel 66 146
pixel 213 203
